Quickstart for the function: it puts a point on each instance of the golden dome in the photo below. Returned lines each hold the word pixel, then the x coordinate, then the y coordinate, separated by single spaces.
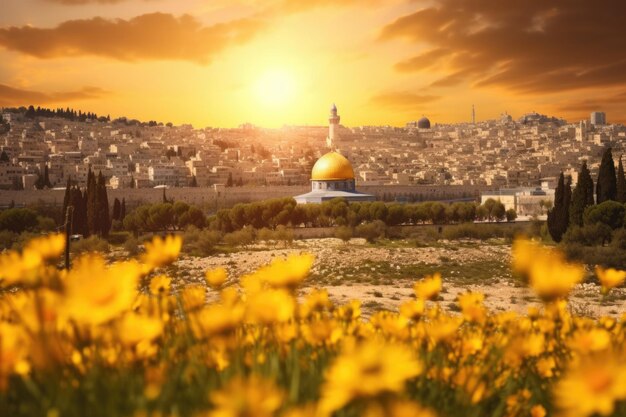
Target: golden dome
pixel 332 166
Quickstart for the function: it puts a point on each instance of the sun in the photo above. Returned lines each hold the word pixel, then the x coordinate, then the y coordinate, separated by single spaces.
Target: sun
pixel 275 88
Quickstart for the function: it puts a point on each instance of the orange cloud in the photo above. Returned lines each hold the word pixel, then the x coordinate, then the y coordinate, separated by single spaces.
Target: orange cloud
pixel 81 2
pixel 403 101
pixel 527 46
pixel 11 96
pixel 154 36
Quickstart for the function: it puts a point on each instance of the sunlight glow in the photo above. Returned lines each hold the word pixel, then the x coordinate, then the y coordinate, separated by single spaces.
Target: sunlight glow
pixel 275 88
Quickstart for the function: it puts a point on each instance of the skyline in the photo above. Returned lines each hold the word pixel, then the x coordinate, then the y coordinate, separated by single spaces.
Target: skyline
pixel 275 63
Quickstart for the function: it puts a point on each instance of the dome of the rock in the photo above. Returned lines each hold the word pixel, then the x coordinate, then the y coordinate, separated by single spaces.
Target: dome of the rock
pixel 332 166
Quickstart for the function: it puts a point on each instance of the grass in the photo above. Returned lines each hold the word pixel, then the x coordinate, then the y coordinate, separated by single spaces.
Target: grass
pixel 383 273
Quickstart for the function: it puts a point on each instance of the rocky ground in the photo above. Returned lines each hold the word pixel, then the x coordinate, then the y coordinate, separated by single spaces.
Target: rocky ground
pixel 382 275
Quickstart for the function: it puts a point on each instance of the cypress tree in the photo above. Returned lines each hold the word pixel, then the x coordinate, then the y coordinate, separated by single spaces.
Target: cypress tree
pixel 621 183
pixel 67 197
pixel 582 196
pixel 92 204
pixel 102 204
pixel 116 209
pixel 46 177
pixel 123 209
pixel 558 216
pixel 606 187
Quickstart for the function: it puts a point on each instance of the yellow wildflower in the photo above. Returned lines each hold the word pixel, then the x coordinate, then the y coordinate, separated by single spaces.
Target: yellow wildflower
pixel 215 278
pixel 316 300
pixel 135 328
pixel 365 371
pixel 472 307
pixel 95 293
pixel 252 397
pixel 538 411
pixel 48 247
pixel 550 276
pixel 591 387
pixel 216 320
pixel 270 306
pixel 282 273
pixel 413 309
pixel 160 285
pixel 609 278
pixel 397 408
pixel 429 287
pixel 593 340
pixel 161 251
pixel 193 297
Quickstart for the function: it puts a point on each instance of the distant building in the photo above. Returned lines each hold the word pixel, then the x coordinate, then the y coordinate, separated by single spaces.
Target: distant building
pixel 332 177
pixel 598 118
pixel 333 128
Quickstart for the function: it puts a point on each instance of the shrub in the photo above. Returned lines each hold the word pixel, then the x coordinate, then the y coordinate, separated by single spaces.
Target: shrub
pixel 200 242
pixel 18 220
pixel 7 238
pixel 610 213
pixel 118 238
pixel 371 231
pixel 132 246
pixel 344 233
pixel 511 215
pixel 242 237
pixel 90 244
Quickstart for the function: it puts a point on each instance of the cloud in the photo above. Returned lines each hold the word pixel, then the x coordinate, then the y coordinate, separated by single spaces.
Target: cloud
pixel 527 46
pixel 82 2
pixel 154 36
pixel 11 96
pixel 402 100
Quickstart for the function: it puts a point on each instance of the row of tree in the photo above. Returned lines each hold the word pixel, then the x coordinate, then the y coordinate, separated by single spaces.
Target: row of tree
pixel 337 212
pixel 90 207
pixel 69 114
pixel 570 206
pixel 163 217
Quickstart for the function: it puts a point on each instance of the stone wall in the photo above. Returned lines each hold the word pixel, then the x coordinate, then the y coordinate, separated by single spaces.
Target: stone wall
pixel 227 197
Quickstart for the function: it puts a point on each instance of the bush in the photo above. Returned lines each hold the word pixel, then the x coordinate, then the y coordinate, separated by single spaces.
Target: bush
pixel 118 238
pixel 7 239
pixel 371 231
pixel 200 242
pixel 610 213
pixel 511 215
pixel 284 234
pixel 131 246
pixel 588 235
pixel 18 220
pixel 90 244
pixel 242 237
pixel 46 224
pixel 344 233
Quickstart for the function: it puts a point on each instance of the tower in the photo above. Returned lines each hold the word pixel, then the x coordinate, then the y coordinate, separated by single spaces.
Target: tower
pixel 473 115
pixel 333 127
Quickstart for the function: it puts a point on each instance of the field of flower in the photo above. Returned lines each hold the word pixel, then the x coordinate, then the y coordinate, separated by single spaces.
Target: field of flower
pixel 88 342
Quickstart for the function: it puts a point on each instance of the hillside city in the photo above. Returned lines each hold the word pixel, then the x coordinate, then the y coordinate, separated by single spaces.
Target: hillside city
pixel 43 149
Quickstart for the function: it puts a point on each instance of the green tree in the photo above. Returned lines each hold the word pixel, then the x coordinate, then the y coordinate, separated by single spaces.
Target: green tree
pixel 103 219
pixel 92 205
pixel 123 209
pixel 582 196
pixel 18 220
pixel 620 194
pixel 606 186
pixel 511 215
pixel 117 207
pixel 558 215
pixel 610 213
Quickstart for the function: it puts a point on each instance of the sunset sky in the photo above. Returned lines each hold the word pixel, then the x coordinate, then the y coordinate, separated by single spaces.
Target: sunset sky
pixel 273 62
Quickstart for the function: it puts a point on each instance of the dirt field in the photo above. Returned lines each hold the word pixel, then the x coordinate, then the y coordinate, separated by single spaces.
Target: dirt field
pixel 382 275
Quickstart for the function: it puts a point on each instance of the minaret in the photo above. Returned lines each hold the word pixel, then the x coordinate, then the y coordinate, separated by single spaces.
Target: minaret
pixel 473 115
pixel 333 127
